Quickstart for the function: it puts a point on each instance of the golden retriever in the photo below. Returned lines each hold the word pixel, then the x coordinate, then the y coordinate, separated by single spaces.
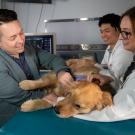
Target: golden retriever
pixel 83 96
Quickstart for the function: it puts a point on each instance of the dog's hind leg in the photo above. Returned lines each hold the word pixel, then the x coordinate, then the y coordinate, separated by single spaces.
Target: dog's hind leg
pixel 33 105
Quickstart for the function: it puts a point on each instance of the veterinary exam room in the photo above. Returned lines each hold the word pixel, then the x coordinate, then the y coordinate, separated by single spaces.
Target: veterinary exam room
pixel 67 67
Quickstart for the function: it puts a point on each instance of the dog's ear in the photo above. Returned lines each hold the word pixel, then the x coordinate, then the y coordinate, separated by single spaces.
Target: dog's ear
pixel 73 86
pixel 99 106
pixel 61 91
pixel 106 99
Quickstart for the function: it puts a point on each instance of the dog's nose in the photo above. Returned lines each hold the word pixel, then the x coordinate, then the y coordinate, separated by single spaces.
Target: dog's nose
pixel 56 110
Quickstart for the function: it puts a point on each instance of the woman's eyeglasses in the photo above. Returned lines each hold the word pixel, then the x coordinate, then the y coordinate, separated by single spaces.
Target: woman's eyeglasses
pixel 125 34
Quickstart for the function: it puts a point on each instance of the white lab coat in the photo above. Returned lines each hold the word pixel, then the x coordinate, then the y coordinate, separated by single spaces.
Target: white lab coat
pixel 117 63
pixel 123 108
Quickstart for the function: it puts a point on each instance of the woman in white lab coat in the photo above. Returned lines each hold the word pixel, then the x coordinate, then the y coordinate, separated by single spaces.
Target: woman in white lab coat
pixel 124 100
pixel 116 59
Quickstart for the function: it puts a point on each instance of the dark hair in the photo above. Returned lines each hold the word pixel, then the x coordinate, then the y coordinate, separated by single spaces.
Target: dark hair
pixel 112 19
pixel 131 14
pixel 7 15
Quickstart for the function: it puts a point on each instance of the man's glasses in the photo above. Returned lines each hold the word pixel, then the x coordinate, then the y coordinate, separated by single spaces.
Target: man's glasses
pixel 125 34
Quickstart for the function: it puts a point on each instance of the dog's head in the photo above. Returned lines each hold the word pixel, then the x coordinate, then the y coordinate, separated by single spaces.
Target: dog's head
pixel 84 98
pixel 82 66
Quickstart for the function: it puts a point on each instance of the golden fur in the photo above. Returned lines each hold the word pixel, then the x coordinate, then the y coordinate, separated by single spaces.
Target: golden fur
pixel 83 96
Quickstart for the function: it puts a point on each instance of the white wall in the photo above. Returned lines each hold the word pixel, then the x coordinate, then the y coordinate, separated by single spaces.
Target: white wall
pixel 0 3
pixel 33 15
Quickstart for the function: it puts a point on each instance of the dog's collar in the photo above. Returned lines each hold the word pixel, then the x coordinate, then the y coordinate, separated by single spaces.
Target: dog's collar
pixel 80 77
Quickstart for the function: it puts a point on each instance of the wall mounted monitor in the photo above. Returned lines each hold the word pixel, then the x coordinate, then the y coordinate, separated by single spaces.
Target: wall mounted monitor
pixel 45 41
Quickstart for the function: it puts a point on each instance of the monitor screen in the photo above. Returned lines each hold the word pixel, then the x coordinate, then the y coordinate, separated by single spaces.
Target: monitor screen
pixel 32 1
pixel 45 41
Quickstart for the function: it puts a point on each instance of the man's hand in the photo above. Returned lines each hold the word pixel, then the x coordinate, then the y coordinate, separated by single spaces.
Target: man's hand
pixel 103 79
pixel 65 79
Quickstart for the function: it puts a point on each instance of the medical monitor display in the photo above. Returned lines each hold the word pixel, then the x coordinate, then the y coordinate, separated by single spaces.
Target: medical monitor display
pixel 45 41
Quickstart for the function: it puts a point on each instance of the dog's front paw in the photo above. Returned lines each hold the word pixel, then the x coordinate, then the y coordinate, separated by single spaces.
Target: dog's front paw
pixel 27 85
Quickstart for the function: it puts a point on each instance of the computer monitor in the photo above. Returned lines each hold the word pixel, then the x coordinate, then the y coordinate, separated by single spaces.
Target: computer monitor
pixel 45 41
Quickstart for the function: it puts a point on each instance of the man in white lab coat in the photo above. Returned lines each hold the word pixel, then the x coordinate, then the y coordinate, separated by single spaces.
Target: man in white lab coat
pixel 124 100
pixel 116 59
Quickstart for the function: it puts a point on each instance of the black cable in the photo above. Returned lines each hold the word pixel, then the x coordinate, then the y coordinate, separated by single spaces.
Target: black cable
pixel 39 18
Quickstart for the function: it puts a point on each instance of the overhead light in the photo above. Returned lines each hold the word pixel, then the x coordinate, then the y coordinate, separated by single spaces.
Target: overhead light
pixel 84 19
pixel 71 20
pixel 45 21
